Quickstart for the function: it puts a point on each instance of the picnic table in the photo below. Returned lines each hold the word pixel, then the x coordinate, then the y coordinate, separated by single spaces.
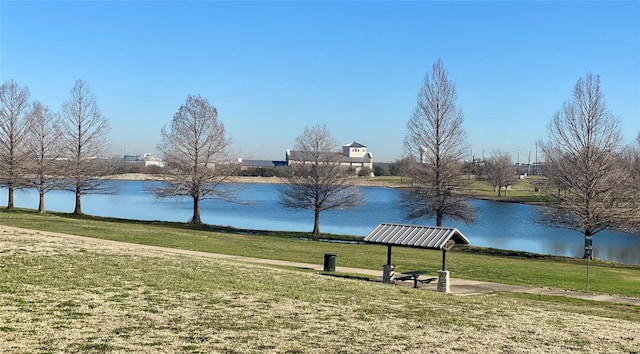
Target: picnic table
pixel 415 276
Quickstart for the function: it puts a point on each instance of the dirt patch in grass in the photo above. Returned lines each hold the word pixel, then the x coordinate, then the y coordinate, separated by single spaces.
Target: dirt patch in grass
pixel 68 295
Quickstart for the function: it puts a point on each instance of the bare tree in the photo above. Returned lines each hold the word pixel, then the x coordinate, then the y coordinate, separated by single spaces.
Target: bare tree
pixel 634 160
pixel 194 148
pixel 635 179
pixel 435 141
pixel 500 171
pixel 44 146
pixel 631 159
pixel 402 168
pixel 582 157
pixel 14 102
pixel 85 148
pixel 317 181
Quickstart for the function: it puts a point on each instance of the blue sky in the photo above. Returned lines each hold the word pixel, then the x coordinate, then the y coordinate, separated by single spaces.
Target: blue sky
pixel 271 68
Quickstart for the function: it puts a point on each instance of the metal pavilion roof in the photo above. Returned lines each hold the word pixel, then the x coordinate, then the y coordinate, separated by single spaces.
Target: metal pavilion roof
pixel 431 237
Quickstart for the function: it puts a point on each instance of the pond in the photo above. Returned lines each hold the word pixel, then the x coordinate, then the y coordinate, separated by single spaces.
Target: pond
pixel 500 225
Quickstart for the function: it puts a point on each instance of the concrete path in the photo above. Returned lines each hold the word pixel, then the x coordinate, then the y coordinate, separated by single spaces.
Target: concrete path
pixel 462 287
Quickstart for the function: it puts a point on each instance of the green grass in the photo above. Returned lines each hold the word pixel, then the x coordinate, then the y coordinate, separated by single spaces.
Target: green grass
pixel 466 262
pixel 80 297
pixel 523 191
pixel 612 310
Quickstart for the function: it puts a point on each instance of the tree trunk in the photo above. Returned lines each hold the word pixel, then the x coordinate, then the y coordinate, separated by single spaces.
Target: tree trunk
pixel 316 222
pixel 41 203
pixel 195 219
pixel 10 201
pixel 78 209
pixel 439 217
pixel 589 235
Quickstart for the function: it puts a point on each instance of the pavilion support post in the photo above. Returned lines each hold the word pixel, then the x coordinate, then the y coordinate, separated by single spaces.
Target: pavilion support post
pixel 443 275
pixel 444 285
pixel 388 271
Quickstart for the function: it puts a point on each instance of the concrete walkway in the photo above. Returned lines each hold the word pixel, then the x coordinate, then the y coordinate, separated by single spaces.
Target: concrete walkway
pixel 462 287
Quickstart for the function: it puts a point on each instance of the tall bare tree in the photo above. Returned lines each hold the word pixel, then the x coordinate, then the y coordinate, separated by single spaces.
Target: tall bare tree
pixel 634 159
pixel 500 171
pixel 45 149
pixel 435 141
pixel 14 101
pixel 631 159
pixel 635 178
pixel 317 181
pixel 582 157
pixel 194 148
pixel 85 148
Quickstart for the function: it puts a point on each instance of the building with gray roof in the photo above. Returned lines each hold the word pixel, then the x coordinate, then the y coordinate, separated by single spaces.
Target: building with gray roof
pixel 354 155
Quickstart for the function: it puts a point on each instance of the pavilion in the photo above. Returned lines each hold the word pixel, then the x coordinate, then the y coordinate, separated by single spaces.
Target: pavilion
pixel 429 237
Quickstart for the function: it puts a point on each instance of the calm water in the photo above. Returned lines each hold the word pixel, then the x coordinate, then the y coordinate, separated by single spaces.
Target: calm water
pixel 500 225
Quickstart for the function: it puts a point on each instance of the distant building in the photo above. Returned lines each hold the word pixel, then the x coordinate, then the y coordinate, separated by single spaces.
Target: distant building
pixel 256 163
pixel 354 155
pixel 132 158
pixel 147 158
pixel 150 160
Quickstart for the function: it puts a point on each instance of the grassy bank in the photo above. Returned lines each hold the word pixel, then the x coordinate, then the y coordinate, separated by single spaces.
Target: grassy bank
pixel 523 191
pixel 469 263
pixel 85 297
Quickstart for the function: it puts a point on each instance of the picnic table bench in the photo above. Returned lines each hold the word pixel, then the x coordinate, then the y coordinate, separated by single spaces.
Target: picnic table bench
pixel 415 276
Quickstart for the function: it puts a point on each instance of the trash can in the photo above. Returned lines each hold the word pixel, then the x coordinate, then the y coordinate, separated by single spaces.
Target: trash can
pixel 329 262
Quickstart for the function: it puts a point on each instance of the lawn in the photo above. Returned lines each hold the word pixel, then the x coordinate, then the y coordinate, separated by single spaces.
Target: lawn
pixel 523 191
pixel 80 296
pixel 521 269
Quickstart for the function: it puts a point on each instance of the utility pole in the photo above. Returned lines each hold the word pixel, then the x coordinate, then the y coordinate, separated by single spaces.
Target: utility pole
pixel 535 171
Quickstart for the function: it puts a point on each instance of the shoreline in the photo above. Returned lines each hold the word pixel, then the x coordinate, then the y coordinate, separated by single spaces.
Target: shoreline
pixel 248 179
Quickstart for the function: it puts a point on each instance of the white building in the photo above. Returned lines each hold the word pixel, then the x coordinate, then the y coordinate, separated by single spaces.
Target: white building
pixel 150 160
pixel 354 155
